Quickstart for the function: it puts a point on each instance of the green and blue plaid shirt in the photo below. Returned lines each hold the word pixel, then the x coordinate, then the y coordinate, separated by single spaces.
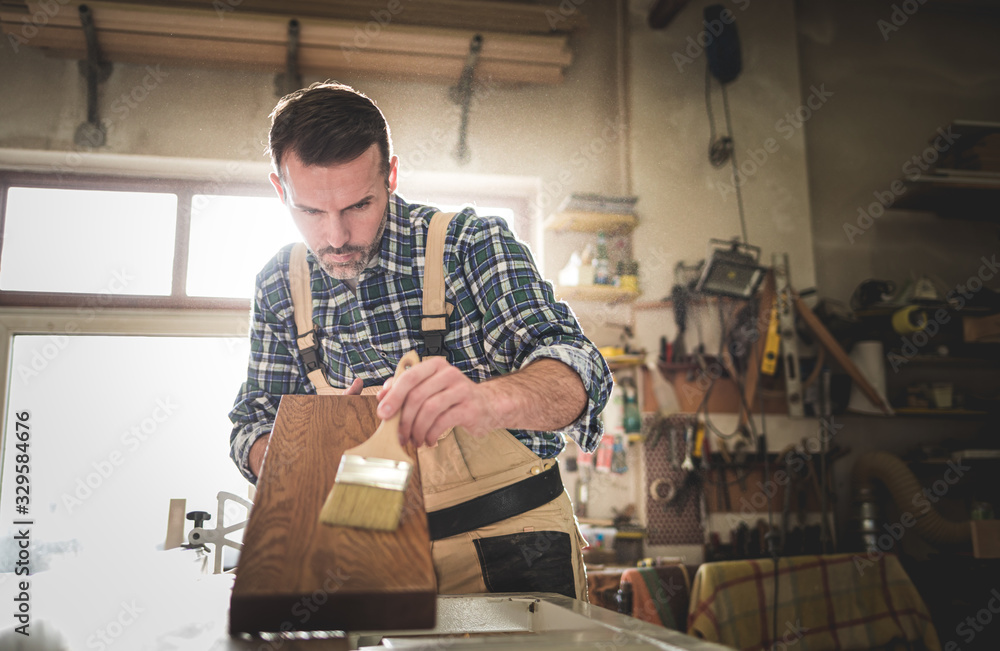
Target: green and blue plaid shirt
pixel 505 317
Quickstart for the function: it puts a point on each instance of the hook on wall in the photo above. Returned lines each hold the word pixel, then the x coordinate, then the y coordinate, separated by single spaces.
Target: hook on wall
pixel 91 133
pixel 461 93
pixel 291 79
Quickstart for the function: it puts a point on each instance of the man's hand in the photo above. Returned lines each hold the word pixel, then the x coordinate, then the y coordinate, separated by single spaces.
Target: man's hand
pixel 434 396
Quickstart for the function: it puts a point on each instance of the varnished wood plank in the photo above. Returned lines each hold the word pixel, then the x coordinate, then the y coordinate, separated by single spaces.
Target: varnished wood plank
pixel 295 572
pixel 514 17
pixel 142 48
pixel 266 28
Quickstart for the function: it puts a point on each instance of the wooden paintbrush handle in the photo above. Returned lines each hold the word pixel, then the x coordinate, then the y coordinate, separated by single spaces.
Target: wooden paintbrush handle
pixel 384 443
pixel 407 361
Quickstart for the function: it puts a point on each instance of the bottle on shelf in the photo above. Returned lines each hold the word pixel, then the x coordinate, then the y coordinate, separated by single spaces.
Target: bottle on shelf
pixel 633 421
pixel 602 275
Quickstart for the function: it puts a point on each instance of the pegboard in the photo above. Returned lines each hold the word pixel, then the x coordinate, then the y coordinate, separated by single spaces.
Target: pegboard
pixel 665 523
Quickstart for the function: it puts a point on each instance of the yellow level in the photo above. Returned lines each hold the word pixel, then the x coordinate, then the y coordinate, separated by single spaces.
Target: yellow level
pixel 772 343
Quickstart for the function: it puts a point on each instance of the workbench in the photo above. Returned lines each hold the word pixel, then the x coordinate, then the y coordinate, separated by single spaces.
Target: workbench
pixel 162 602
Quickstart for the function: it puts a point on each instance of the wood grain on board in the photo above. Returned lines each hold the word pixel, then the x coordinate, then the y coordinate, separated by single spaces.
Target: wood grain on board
pixel 297 574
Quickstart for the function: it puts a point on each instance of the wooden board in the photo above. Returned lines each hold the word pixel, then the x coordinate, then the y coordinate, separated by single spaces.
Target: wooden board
pixel 505 16
pixel 833 347
pixel 297 574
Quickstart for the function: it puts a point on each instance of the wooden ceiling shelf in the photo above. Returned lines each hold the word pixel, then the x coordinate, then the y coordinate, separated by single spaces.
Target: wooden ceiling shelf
pixel 592 222
pixel 500 16
pixel 189 35
pixel 596 293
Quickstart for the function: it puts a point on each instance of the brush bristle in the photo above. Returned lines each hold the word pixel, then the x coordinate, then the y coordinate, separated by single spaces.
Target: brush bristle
pixel 364 507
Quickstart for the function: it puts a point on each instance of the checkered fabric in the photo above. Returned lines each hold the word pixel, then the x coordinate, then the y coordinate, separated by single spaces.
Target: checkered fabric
pixel 841 601
pixel 505 317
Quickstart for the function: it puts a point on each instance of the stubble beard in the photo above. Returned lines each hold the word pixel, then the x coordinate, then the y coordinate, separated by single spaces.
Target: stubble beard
pixel 353 269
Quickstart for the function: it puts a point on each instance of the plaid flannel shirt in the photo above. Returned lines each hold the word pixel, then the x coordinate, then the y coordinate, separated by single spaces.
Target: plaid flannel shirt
pixel 505 317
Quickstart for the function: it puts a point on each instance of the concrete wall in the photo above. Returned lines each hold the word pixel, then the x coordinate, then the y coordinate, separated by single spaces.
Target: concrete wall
pixel 214 114
pixel 684 200
pixel 893 89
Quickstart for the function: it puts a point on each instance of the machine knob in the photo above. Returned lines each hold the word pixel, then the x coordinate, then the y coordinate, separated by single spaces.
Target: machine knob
pixel 199 517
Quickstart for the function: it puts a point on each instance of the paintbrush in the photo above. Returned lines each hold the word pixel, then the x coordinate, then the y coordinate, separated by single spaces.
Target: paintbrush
pixel 370 486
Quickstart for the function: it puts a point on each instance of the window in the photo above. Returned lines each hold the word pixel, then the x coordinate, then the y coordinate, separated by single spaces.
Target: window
pixel 136 243
pixel 86 241
pixel 118 426
pixel 232 238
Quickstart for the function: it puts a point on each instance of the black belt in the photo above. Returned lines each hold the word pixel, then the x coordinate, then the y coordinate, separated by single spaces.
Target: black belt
pixel 514 499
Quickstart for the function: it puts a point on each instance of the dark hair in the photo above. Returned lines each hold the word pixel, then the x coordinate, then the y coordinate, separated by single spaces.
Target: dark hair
pixel 327 123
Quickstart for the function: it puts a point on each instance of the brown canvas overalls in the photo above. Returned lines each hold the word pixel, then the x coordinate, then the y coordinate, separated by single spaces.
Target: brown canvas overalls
pixel 539 550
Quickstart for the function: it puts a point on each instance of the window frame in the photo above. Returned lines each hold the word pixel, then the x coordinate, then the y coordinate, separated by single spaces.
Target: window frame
pixel 184 189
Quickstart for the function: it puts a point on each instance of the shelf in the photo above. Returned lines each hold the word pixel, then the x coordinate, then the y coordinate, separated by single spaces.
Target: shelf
pixel 973 197
pixel 966 182
pixel 610 224
pixel 922 413
pixel 596 293
pixel 669 305
pixel 628 360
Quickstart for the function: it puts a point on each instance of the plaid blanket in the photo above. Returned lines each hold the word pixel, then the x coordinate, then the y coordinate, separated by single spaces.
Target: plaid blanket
pixel 835 602
pixel 660 594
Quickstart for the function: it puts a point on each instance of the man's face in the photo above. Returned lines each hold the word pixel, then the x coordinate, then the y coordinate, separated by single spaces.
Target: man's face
pixel 339 209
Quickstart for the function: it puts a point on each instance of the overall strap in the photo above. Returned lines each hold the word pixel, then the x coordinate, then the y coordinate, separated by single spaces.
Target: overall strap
pixel 434 323
pixel 301 288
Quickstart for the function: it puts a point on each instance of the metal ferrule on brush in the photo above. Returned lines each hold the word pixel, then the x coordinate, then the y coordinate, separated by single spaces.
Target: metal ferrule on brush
pixel 378 473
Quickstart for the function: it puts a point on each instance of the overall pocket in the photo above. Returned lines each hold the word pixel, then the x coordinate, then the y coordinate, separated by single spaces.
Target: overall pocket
pixel 534 561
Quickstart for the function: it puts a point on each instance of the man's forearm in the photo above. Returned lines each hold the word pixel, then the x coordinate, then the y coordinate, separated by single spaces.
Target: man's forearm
pixel 545 395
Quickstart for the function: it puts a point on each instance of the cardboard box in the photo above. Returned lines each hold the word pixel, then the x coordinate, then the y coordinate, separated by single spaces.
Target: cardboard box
pixel 986 538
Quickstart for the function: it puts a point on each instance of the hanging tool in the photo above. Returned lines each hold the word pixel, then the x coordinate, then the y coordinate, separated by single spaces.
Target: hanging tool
pixel 91 133
pixel 655 433
pixel 833 347
pixel 789 341
pixel 461 94
pixel 291 79
pixel 688 464
pixel 674 447
pixel 826 411
pixel 772 344
pixel 691 486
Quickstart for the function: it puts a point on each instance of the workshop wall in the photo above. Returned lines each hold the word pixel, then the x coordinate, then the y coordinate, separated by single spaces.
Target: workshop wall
pixel 893 86
pixel 683 200
pixel 530 131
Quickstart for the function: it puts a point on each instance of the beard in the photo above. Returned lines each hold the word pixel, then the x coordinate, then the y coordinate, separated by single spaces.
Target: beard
pixel 364 254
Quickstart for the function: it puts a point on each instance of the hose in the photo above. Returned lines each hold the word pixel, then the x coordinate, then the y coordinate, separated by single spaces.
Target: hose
pixel 903 486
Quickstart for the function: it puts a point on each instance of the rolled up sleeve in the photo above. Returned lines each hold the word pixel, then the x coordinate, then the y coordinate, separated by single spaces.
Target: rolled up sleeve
pixel 523 322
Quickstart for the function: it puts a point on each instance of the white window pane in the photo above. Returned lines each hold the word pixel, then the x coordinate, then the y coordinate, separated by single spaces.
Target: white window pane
pixel 119 426
pixel 88 241
pixel 232 238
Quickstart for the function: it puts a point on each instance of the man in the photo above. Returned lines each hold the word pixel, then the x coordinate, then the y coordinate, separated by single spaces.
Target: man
pixel 488 418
